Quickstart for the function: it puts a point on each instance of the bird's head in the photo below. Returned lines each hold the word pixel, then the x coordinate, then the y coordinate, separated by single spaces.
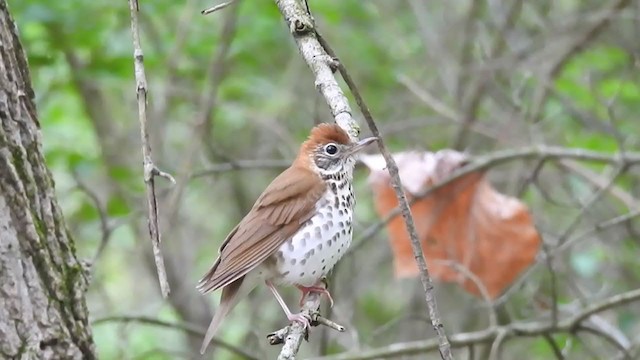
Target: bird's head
pixel 329 150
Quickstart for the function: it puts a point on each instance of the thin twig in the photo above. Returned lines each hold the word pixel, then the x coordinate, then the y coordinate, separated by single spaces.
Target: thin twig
pixel 497 344
pixel 466 272
pixel 600 181
pixel 554 346
pixel 553 281
pixel 102 214
pixel 217 7
pixel 392 167
pixel 600 227
pixel 589 203
pixel 186 327
pixel 150 169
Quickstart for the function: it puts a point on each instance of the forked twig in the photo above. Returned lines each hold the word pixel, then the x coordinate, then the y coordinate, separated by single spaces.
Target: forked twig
pixel 150 169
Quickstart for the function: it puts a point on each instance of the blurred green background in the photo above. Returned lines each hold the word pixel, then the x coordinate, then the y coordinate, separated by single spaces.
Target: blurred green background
pixel 478 76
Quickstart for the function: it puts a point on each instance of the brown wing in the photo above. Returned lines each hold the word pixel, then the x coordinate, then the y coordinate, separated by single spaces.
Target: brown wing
pixel 283 207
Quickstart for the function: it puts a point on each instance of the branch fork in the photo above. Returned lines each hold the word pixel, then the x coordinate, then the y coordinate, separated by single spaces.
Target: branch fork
pixel 151 171
pixel 280 336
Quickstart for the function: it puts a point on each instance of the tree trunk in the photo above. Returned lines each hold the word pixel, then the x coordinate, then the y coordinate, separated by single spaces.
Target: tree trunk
pixel 43 314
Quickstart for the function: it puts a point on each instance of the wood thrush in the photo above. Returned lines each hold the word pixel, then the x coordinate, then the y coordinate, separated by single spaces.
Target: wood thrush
pixel 296 231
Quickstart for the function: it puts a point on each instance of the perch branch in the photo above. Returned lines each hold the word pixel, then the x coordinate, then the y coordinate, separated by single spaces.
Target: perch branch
pixel 392 167
pixel 150 169
pixel 291 335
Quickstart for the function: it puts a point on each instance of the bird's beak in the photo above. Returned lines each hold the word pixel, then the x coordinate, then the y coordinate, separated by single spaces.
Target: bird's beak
pixel 361 145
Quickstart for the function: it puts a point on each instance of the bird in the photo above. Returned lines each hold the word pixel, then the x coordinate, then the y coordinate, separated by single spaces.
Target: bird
pixel 296 231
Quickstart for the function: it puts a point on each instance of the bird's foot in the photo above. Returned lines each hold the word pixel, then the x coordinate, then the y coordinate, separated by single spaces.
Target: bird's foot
pixel 314 289
pixel 302 318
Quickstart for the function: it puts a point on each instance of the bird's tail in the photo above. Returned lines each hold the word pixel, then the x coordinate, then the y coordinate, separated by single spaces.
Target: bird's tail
pixel 231 294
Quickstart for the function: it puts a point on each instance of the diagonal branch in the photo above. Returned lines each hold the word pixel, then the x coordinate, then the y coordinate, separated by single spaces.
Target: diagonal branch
pixel 418 254
pixel 150 169
pixel 322 65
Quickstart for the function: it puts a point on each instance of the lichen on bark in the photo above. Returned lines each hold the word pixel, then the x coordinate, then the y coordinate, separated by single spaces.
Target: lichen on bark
pixel 43 313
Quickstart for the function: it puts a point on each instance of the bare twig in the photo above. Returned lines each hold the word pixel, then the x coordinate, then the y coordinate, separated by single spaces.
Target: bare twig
pixel 497 344
pixel 553 281
pixel 600 227
pixel 150 169
pixel 492 316
pixel 589 203
pixel 186 327
pixel 217 7
pixel 600 181
pixel 554 346
pixel 392 167
pixel 102 214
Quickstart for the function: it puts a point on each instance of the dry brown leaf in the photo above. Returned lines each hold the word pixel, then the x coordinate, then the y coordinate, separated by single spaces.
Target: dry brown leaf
pixel 466 222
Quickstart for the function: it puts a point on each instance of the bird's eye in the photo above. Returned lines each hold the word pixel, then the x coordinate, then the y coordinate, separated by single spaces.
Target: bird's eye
pixel 331 149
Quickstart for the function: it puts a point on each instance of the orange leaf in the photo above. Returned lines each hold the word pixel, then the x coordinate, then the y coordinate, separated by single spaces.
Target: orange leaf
pixel 465 226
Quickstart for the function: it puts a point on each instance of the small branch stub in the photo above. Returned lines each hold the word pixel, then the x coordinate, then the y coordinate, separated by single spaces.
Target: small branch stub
pixel 217 7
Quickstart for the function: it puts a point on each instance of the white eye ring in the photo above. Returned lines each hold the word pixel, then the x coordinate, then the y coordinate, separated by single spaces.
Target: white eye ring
pixel 331 149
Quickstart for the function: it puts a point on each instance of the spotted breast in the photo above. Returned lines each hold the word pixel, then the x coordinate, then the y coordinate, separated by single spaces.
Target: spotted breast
pixel 314 250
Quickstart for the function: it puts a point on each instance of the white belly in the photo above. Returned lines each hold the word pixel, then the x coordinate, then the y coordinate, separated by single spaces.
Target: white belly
pixel 320 243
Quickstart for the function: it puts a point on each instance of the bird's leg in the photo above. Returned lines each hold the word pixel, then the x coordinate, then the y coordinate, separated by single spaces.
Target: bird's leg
pixel 299 317
pixel 316 289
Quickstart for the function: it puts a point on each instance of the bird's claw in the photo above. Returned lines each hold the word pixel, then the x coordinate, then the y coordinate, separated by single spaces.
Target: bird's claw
pixel 302 318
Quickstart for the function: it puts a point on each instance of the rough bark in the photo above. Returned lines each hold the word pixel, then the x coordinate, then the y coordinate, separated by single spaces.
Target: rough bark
pixel 43 314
